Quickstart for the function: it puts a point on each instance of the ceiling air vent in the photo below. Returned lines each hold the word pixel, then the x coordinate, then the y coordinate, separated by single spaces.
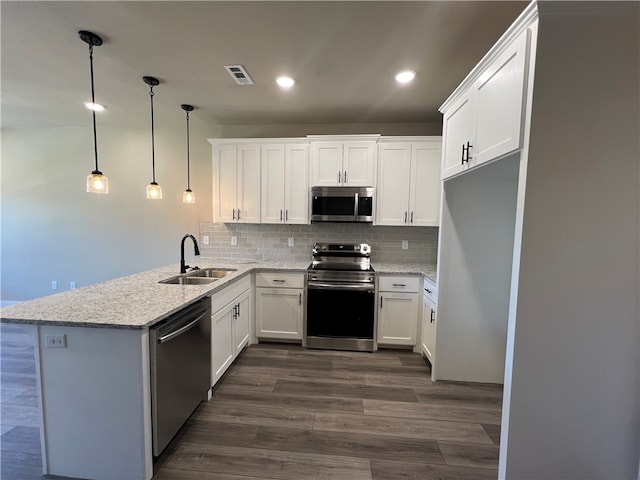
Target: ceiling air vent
pixel 239 74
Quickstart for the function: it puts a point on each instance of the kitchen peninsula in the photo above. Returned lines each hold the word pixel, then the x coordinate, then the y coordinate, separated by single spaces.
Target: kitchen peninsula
pixel 95 392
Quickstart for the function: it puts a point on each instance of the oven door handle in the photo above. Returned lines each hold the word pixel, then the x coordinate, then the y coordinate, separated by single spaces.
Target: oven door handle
pixel 341 286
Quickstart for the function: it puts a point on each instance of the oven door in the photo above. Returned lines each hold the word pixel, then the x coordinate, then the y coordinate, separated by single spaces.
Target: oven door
pixel 337 310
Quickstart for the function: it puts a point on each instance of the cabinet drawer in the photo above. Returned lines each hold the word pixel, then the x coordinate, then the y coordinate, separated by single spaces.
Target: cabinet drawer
pixel 398 284
pixel 430 291
pixel 282 280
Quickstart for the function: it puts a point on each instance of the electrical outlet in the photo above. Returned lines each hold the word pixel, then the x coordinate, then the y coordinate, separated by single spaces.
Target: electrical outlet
pixel 72 285
pixel 205 239
pixel 291 242
pixel 234 240
pixel 405 244
pixel 55 341
pixel 54 285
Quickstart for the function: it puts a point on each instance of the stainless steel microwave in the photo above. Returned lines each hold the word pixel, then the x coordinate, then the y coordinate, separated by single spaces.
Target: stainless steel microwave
pixel 342 204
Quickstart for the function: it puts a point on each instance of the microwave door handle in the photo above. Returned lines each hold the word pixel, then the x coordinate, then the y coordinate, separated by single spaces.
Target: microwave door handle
pixel 355 207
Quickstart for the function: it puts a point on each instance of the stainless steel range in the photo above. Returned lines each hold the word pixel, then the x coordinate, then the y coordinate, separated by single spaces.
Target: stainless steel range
pixel 341 310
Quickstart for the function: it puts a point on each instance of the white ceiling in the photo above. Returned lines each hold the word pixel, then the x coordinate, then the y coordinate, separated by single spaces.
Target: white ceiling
pixel 342 54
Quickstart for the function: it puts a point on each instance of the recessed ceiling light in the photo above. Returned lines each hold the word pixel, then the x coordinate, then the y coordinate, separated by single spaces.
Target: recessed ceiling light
pixel 285 81
pixel 96 107
pixel 405 76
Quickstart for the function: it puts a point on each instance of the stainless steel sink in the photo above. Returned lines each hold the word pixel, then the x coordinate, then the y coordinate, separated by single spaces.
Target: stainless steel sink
pixel 211 272
pixel 199 277
pixel 188 280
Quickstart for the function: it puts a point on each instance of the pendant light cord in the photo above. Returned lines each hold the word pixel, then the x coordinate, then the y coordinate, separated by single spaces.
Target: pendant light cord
pixel 153 149
pixel 93 111
pixel 188 169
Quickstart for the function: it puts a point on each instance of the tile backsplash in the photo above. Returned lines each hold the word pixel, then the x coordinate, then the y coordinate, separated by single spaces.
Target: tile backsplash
pixel 256 242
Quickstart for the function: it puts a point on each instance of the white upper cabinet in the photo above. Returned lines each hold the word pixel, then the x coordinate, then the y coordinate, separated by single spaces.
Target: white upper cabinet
pixel 285 191
pixel 483 120
pixel 343 160
pixel 236 183
pixel 409 186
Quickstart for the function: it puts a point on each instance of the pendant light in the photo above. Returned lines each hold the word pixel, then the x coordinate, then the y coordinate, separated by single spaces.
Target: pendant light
pixel 154 192
pixel 188 196
pixel 97 182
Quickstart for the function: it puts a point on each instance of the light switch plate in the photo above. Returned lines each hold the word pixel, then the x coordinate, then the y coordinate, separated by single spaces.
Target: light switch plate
pixel 291 242
pixel 405 244
pixel 234 240
pixel 205 239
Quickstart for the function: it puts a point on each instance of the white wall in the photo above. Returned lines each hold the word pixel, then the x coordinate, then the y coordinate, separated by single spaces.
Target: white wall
pixel 53 230
pixel 574 408
pixel 476 244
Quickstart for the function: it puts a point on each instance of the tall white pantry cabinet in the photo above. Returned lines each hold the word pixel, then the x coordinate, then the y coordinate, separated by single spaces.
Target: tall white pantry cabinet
pixel 539 249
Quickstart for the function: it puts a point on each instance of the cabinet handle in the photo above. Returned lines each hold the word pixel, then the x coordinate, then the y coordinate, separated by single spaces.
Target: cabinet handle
pixel 234 214
pixel 238 309
pixel 299 299
pixel 286 215
pixel 466 149
pixel 238 214
pixel 400 285
pixel 339 177
pixel 345 176
pixel 411 217
pixel 405 216
pixel 280 215
pixel 432 317
pixel 427 290
pixel 235 314
pixel 279 281
pixel 462 158
pixel 381 302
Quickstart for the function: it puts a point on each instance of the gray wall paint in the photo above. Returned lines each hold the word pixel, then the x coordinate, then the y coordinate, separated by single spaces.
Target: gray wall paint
pixel 574 409
pixel 270 242
pixel 51 229
pixel 302 130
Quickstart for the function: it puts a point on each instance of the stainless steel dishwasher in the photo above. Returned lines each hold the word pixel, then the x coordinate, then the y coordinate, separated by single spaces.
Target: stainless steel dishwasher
pixel 180 358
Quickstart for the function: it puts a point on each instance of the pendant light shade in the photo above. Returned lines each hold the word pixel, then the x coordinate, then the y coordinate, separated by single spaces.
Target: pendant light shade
pixel 97 182
pixel 188 196
pixel 154 192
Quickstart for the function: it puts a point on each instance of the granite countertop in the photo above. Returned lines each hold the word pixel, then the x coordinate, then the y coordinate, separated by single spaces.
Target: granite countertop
pixel 426 269
pixel 138 301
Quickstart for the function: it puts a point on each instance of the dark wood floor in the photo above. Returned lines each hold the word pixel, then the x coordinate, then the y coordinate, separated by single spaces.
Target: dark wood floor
pixel 283 412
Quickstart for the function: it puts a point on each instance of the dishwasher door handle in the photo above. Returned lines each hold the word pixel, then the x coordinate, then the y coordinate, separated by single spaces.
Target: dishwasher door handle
pixel 181 330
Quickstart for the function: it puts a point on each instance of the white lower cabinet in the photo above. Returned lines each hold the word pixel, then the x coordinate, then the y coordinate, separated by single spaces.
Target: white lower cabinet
pixel 279 305
pixel 429 313
pixel 230 324
pixel 397 310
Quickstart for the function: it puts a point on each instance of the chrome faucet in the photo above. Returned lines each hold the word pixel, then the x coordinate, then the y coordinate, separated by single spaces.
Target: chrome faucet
pixel 196 251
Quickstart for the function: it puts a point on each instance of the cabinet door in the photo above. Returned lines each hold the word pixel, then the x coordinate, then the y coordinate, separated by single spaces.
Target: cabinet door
pixel 498 100
pixel 392 197
pixel 359 164
pixel 248 206
pixel 241 320
pixel 273 183
pixel 222 348
pixel 279 313
pixel 225 180
pixel 457 130
pixel 426 186
pixel 397 318
pixel 296 184
pixel 326 163
pixel 428 329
